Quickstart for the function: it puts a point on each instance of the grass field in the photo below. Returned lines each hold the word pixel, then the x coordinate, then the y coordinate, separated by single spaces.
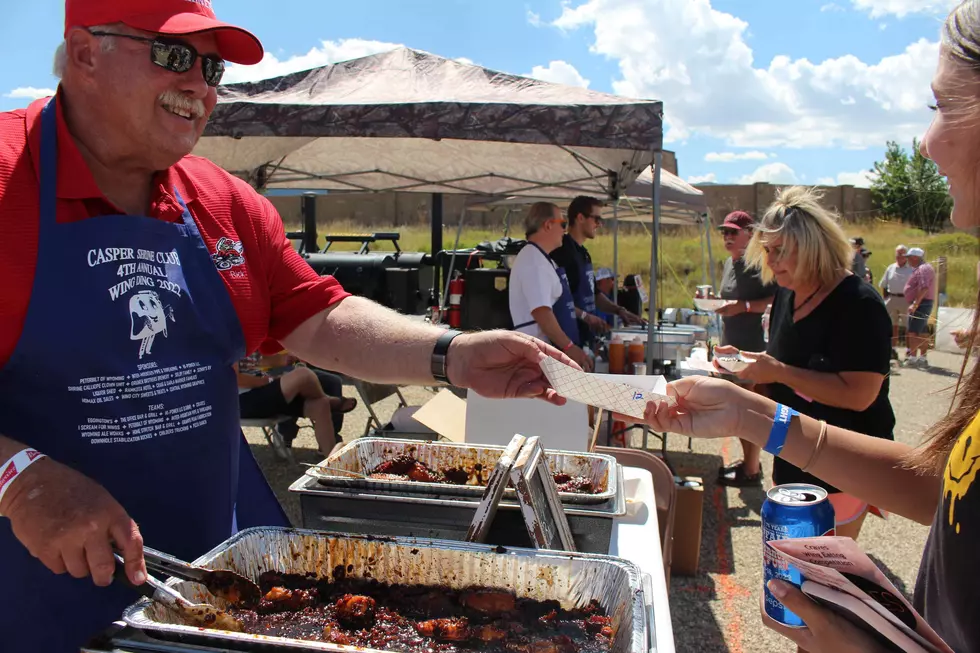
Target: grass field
pixel 682 260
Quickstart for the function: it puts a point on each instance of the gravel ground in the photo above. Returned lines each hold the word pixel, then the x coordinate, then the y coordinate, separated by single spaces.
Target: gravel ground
pixel 717 610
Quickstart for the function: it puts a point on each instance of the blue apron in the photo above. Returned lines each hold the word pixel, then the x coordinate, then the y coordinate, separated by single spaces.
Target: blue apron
pixel 123 372
pixel 564 307
pixel 585 294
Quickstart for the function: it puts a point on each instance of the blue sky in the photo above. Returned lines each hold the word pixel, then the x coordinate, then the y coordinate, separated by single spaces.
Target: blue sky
pixel 754 90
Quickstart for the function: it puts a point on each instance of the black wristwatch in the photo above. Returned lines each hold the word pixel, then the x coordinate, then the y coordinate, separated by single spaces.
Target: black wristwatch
pixel 440 364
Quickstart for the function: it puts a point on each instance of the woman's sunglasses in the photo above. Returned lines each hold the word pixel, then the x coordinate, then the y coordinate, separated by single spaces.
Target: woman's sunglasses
pixel 177 56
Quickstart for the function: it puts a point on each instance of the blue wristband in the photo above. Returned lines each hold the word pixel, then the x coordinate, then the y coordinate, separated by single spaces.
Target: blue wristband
pixel 780 429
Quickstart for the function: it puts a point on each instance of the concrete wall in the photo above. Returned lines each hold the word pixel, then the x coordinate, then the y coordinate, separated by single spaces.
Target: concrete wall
pixel 849 202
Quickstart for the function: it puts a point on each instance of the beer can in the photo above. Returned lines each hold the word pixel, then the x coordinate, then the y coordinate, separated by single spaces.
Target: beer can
pixel 704 292
pixel 790 511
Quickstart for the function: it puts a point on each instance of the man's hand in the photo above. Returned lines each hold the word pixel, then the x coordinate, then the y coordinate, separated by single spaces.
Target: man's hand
pixel 825 631
pixel 503 365
pixel 595 323
pixel 579 356
pixel 70 523
pixel 628 318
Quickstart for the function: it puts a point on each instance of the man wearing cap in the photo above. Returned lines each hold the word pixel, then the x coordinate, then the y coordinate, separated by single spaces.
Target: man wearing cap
pixel 605 283
pixel 920 293
pixel 859 266
pixel 140 276
pixel 742 325
pixel 584 220
pixel 893 288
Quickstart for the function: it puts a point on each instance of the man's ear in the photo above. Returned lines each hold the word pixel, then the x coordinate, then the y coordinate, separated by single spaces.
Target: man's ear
pixel 82 51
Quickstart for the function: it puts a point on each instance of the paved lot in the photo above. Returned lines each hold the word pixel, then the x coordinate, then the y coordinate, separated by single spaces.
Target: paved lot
pixel 717 610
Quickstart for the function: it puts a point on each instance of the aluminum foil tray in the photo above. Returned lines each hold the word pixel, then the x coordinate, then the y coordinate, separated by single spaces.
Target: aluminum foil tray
pixel 573 579
pixel 365 454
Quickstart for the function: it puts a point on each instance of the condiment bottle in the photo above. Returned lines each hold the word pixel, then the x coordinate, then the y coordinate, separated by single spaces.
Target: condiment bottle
pixel 635 354
pixel 617 355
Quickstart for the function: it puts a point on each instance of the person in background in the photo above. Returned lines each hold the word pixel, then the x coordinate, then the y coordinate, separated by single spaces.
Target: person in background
pixel 858 265
pixel 584 220
pixel 742 325
pixel 868 274
pixel 271 386
pixel 629 296
pixel 605 283
pixel 540 298
pixel 920 293
pixel 893 289
pixel 829 334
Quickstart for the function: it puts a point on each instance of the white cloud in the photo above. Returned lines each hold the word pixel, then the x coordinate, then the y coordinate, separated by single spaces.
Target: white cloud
pixel 902 8
pixel 730 157
pixel 465 60
pixel 861 178
pixel 329 52
pixel 830 6
pixel 697 59
pixel 559 72
pixel 29 93
pixel 701 179
pixel 774 173
pixel 533 19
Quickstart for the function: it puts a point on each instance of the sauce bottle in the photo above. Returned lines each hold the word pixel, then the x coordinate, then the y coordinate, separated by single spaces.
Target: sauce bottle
pixel 617 355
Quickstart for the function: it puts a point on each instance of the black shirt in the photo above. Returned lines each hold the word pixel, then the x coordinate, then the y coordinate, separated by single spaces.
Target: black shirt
pixel 745 329
pixel 947 591
pixel 568 256
pixel 849 331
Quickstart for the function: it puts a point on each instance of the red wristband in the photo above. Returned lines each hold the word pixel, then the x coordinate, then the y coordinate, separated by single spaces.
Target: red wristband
pixel 570 344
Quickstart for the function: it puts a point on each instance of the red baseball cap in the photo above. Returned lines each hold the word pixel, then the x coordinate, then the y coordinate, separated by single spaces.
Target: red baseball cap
pixel 170 17
pixel 737 220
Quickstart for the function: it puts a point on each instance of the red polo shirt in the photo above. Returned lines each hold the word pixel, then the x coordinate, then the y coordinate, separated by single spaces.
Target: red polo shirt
pixel 273 292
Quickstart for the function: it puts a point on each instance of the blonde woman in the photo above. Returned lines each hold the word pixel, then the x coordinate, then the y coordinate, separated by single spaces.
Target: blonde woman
pixel 829 348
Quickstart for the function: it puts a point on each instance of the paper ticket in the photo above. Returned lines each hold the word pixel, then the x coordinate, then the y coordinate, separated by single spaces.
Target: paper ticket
pixel 619 393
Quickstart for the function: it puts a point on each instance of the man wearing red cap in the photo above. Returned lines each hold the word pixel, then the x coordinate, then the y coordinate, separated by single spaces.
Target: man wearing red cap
pixel 742 326
pixel 139 277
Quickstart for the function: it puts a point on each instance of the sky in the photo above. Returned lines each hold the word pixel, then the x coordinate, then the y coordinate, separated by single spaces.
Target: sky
pixel 785 91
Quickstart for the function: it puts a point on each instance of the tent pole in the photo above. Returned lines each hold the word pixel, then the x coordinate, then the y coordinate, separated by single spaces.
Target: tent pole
pixel 654 244
pixel 436 213
pixel 615 296
pixel 704 255
pixel 711 266
pixel 452 263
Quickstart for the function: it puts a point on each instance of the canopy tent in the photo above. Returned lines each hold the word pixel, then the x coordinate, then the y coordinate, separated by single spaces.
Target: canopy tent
pixel 407 120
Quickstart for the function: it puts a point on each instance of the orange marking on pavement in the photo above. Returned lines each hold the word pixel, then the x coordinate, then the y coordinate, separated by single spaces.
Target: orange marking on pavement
pixel 728 589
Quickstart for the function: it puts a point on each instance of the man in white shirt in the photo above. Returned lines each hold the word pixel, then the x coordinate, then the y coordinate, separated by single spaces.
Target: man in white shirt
pixel 541 303
pixel 892 286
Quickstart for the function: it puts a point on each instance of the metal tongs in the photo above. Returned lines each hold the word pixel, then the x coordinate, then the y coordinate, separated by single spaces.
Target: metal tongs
pixel 199 614
pixel 232 587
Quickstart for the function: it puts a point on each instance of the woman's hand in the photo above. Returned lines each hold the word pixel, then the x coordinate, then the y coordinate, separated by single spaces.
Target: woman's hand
pixel 825 631
pixel 761 368
pixel 706 408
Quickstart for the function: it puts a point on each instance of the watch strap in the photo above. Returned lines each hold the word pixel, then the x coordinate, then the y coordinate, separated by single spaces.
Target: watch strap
pixel 440 364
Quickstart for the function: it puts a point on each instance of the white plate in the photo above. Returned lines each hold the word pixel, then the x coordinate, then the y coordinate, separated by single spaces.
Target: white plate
pixel 712 304
pixel 733 364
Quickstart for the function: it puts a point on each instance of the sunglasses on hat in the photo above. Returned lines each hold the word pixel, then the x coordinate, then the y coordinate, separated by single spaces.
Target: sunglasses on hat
pixel 177 56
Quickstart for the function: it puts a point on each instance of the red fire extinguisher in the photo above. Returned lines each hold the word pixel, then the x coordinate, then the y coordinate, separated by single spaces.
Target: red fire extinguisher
pixel 456 288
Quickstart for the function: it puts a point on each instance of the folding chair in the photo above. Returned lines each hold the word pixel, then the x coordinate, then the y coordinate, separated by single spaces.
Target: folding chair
pixel 272 436
pixel 664 490
pixel 370 394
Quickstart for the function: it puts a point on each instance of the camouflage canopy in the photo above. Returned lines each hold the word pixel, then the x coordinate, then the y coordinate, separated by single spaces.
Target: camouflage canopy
pixel 407 120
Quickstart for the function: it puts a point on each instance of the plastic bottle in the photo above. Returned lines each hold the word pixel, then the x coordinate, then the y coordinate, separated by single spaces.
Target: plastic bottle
pixel 617 355
pixel 635 354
